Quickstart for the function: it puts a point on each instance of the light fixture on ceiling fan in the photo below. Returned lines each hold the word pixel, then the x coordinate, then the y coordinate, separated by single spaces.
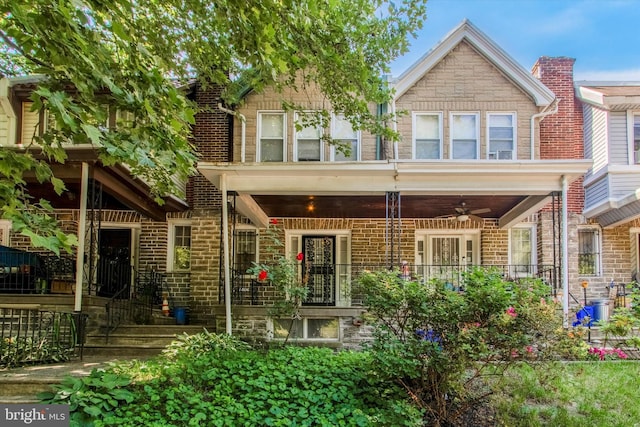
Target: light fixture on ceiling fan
pixel 463 213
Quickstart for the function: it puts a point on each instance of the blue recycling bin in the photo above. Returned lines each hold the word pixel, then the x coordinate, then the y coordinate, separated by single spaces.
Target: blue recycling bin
pixel 180 314
pixel 600 310
pixel 586 311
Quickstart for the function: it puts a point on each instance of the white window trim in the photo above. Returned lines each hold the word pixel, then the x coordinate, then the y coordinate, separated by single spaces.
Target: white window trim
pixel 464 113
pixel 305 330
pixel 631 114
pixel 332 154
pixel 598 232
pixel 5 227
pixel 534 247
pixel 513 114
pixel 172 223
pixel 413 132
pixel 295 139
pixel 247 227
pixel 258 134
pixel 464 234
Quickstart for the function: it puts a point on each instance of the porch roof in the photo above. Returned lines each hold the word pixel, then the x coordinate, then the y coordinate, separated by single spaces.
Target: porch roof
pixel 511 189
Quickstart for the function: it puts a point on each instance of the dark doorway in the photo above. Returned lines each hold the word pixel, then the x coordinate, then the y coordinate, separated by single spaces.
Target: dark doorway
pixel 319 269
pixel 114 266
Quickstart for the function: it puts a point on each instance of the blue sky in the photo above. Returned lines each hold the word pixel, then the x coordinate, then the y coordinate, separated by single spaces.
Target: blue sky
pixel 602 35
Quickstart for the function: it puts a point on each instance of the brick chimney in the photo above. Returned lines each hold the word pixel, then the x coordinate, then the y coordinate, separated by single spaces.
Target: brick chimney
pixel 211 137
pixel 561 135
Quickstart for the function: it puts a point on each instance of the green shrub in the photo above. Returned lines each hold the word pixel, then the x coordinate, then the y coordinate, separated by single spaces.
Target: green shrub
pixel 440 344
pixel 241 387
pixel 192 346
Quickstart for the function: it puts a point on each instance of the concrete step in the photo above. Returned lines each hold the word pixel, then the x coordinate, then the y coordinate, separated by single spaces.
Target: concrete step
pixel 13 400
pixel 136 340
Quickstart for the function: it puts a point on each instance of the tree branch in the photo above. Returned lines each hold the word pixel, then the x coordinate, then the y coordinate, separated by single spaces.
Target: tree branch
pixel 12 45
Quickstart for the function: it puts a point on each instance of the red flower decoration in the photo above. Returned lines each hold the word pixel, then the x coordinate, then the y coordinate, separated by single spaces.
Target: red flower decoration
pixel 300 256
pixel 262 275
pixel 273 221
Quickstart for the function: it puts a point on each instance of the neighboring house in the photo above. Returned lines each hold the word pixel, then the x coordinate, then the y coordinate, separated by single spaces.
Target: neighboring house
pixel 609 237
pixel 487 173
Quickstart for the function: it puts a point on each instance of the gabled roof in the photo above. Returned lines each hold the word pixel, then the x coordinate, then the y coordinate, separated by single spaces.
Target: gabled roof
pixel 486 47
pixel 616 96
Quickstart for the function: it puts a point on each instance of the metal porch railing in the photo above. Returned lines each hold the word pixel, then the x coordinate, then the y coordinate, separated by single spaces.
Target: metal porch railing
pixel 31 335
pixel 23 272
pixel 137 306
pixel 334 282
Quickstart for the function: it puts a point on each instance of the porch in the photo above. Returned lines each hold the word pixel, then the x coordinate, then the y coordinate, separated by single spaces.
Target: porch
pixel 335 285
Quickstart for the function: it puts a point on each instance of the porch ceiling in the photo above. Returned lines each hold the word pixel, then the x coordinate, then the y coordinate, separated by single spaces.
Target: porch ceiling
pixel 510 189
pixel 121 190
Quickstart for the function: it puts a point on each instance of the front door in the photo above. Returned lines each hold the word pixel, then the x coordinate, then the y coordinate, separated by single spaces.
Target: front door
pixel 449 257
pixel 114 266
pixel 318 269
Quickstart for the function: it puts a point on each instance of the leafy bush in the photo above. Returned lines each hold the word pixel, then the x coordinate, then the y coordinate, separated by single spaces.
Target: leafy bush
pixel 228 386
pixel 90 398
pixel 439 343
pixel 191 346
pixel 16 351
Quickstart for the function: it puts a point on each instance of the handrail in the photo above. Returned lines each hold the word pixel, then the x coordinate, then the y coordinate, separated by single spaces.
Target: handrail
pixel 137 307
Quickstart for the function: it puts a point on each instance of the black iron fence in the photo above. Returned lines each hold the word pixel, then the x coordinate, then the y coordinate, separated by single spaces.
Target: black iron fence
pixel 332 284
pixel 23 272
pixel 137 306
pixel 29 335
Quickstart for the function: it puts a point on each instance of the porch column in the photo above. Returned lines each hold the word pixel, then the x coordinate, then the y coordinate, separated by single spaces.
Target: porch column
pixel 225 251
pixel 82 229
pixel 565 254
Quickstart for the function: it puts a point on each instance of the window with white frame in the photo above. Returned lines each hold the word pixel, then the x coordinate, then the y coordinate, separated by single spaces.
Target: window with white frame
pixel 522 247
pixel 308 142
pixel 427 135
pixel 501 136
pixel 464 135
pixel 343 133
pixel 271 137
pixel 5 227
pixel 245 249
pixel 589 252
pixel 636 138
pixel 179 246
pixel 306 328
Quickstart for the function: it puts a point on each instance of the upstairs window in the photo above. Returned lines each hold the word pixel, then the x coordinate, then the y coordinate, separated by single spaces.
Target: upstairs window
pixel 588 252
pixel 342 132
pixel 636 138
pixel 308 144
pixel 464 136
pixel 427 136
pixel 271 137
pixel 501 131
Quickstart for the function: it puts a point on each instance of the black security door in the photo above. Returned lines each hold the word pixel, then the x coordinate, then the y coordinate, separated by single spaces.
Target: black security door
pixel 318 269
pixel 114 266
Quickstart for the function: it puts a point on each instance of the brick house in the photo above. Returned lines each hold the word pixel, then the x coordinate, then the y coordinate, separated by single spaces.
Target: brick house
pixel 487 172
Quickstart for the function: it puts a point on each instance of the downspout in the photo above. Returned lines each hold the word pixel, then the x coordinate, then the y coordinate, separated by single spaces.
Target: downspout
pixel 225 251
pixel 395 129
pixel 565 253
pixel 540 115
pixel 243 119
pixel 82 233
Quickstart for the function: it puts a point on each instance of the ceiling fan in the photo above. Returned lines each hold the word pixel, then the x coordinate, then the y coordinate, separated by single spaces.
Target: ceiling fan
pixel 463 213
